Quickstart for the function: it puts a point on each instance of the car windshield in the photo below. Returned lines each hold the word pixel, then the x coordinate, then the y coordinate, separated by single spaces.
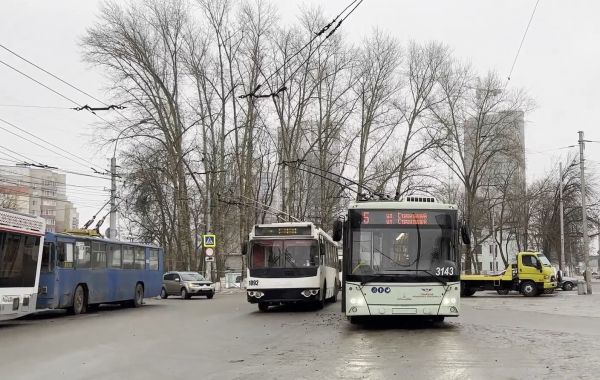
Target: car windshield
pixel 288 253
pixel 544 260
pixel 192 277
pixel 380 248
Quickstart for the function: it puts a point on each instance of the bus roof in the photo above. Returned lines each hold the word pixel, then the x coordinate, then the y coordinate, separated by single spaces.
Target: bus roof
pixel 17 222
pixel 401 205
pixel 99 239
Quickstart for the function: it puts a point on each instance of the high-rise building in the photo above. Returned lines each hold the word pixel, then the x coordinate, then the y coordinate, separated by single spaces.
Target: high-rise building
pixel 499 141
pixel 40 192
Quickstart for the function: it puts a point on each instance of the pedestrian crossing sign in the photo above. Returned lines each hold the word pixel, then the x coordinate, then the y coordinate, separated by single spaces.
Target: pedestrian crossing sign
pixel 209 241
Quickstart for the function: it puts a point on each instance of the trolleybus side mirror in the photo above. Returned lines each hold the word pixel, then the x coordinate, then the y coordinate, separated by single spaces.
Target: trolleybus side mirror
pixel 244 247
pixel 337 230
pixel 465 235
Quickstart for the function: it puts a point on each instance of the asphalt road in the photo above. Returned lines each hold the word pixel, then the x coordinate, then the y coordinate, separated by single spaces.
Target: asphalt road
pixel 496 337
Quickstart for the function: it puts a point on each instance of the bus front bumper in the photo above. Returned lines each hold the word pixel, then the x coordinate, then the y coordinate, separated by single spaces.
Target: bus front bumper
pixel 278 296
pixel 399 310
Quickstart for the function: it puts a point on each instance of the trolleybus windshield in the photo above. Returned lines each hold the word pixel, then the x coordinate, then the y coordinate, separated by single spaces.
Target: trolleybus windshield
pixel 18 259
pixel 288 253
pixel 412 243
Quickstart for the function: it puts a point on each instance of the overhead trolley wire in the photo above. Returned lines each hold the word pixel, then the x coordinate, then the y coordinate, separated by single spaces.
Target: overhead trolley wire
pixel 254 92
pixel 47 142
pixel 522 41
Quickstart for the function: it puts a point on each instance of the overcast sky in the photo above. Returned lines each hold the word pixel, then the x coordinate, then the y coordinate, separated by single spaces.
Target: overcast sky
pixel 558 67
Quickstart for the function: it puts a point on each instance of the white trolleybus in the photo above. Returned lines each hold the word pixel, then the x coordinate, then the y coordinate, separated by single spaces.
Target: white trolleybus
pixel 291 263
pixel 400 258
pixel 21 242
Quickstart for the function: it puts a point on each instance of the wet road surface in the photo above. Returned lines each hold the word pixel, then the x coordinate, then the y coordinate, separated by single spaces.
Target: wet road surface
pixel 496 337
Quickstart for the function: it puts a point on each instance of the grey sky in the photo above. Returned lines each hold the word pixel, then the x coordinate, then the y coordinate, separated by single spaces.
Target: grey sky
pixel 557 67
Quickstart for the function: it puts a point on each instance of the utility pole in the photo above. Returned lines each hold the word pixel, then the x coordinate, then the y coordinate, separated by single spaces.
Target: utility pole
pixel 586 243
pixel 209 222
pixel 561 263
pixel 112 230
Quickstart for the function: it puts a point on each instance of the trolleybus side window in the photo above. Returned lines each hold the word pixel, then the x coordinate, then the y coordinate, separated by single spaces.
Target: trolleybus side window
pixel 98 255
pixel 65 255
pixel 153 263
pixel 83 255
pixel 127 257
pixel 114 257
pixel 140 258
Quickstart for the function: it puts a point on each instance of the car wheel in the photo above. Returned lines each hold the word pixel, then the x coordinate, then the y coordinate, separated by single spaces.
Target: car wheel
pixel 164 294
pixel 184 294
pixel 568 286
pixel 528 289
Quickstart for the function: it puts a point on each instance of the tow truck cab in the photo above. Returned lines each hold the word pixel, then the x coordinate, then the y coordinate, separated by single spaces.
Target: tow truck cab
pixel 531 275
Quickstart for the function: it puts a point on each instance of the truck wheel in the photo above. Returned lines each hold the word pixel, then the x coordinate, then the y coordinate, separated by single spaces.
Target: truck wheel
pixel 528 289
pixel 567 286
pixel 502 292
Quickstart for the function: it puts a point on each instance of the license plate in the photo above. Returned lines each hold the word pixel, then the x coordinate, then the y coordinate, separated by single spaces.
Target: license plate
pixel 397 310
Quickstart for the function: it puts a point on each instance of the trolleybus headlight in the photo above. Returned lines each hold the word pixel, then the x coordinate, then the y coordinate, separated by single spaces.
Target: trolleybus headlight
pixel 251 293
pixel 453 309
pixel 258 294
pixel 314 292
pixel 357 301
pixel 449 301
pixel 306 293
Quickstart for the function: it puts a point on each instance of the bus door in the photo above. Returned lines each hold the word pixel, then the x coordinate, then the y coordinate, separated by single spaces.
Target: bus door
pixel 47 283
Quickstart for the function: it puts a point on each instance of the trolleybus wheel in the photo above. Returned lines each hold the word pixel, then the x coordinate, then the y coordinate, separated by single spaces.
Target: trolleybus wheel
pixel 138 296
pixel 79 301
pixel 321 302
pixel 263 306
pixel 335 293
pixel 354 320
pixel 502 292
pixel 163 293
pixel 528 289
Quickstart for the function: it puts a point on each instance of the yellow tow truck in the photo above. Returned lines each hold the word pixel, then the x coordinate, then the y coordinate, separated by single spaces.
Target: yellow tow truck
pixel 531 275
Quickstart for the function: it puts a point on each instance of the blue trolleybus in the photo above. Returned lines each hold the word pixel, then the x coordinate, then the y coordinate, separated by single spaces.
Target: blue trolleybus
pixel 78 272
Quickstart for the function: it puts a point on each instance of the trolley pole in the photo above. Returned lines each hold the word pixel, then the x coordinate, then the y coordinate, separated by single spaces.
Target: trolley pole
pixel 562 228
pixel 113 198
pixel 586 243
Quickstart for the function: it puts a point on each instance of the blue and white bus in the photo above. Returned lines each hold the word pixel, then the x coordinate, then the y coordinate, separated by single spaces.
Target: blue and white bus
pixel 21 239
pixel 78 272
